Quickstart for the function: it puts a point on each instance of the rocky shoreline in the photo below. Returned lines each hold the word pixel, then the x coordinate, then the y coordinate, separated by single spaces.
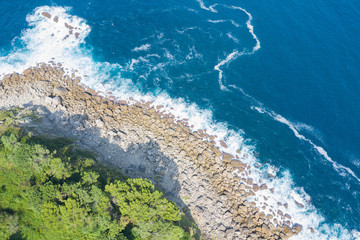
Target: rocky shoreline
pixel 144 142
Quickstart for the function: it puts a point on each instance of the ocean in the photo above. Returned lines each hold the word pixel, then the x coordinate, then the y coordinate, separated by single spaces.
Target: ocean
pixel 278 79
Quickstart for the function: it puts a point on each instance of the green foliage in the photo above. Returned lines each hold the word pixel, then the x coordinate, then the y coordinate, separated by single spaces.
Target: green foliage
pixel 137 199
pixel 49 189
pixel 158 230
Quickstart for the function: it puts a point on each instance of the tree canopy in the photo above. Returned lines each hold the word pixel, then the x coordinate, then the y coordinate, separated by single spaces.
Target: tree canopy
pixel 50 189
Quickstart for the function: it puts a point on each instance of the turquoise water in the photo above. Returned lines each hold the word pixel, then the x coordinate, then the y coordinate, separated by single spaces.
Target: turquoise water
pixel 276 77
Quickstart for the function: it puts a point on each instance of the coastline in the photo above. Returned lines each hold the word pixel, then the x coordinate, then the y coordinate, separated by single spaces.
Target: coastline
pixel 216 198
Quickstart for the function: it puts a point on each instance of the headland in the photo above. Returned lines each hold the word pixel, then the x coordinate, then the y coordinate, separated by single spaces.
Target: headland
pixel 144 141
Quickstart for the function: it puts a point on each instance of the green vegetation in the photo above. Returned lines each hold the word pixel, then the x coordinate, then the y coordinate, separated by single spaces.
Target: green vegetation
pixel 50 189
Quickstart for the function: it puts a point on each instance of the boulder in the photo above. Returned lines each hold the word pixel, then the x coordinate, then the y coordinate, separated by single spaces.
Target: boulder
pixel 223 144
pixel 297 228
pixel 46 14
pixel 236 163
pixel 227 157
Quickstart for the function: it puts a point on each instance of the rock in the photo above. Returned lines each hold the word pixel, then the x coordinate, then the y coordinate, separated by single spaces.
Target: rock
pixel 142 168
pixel 60 91
pixel 297 228
pixel 223 144
pixel 160 171
pixel 263 186
pixel 299 204
pixel 265 228
pixel 99 123
pixel 28 72
pixel 230 231
pixel 287 230
pixel 51 117
pixel 48 100
pixel 227 157
pixel 57 100
pixel 262 215
pixel 90 91
pixel 236 163
pixel 56 19
pixel 46 14
pixel 221 227
pixel 69 26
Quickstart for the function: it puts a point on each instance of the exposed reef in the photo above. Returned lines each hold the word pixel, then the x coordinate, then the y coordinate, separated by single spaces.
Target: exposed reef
pixel 144 142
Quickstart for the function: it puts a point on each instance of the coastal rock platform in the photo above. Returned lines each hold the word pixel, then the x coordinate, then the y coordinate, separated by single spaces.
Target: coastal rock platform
pixel 143 142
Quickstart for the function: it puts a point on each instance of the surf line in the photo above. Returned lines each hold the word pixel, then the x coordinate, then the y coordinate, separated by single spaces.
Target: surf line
pixel 337 166
pixel 235 54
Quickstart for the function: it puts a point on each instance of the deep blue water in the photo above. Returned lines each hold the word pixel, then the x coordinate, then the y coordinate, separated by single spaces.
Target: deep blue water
pixel 307 70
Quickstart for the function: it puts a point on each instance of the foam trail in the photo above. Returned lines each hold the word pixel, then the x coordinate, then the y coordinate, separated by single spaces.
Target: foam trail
pixel 251 29
pixel 232 37
pixel 202 5
pixel 338 167
pixel 311 130
pixel 221 21
pixel 232 56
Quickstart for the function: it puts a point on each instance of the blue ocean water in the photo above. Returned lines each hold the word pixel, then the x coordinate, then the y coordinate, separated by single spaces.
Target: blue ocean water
pixel 283 76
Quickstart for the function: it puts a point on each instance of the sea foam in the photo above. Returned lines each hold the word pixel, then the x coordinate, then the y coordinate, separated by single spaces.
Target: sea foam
pixel 45 40
pixel 236 53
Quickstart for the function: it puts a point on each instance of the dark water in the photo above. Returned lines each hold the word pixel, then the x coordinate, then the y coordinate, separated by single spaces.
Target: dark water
pixel 290 80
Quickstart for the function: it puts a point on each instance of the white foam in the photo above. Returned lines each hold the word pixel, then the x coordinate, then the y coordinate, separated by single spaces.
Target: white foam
pixel 144 47
pixel 251 29
pixel 217 21
pixel 355 234
pixel 222 21
pixel 230 57
pixel 211 8
pixel 106 77
pixel 338 167
pixel 309 129
pixel 47 40
pixel 236 53
pixel 232 37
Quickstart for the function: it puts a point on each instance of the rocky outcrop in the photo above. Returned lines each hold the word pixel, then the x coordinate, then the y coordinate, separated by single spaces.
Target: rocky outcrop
pixel 143 142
